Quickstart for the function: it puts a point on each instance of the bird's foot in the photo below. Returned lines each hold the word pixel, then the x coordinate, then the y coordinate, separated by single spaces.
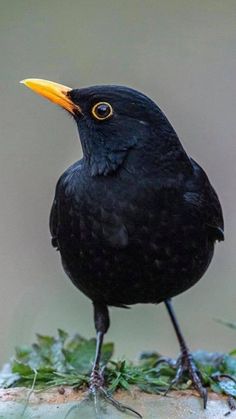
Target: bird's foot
pixel 185 363
pixel 98 390
pixel 96 380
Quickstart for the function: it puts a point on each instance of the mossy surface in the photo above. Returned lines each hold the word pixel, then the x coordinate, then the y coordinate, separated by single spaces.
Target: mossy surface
pixel 58 361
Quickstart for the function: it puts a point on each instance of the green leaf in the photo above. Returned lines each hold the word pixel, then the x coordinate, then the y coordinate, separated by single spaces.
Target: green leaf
pixel 45 342
pixel 21 369
pixel 22 352
pixel 124 383
pixel 57 357
pixel 75 343
pixel 81 359
pixel 62 335
pixel 60 360
pixel 107 352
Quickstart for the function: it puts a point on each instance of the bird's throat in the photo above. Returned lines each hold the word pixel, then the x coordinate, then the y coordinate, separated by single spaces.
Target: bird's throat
pixel 105 163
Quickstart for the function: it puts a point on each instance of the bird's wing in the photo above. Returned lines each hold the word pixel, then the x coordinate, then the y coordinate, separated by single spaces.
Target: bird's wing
pixel 60 215
pixel 53 221
pixel 205 200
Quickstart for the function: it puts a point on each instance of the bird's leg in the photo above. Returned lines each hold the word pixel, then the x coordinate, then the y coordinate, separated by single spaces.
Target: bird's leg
pixel 185 362
pixel 96 385
pixel 101 320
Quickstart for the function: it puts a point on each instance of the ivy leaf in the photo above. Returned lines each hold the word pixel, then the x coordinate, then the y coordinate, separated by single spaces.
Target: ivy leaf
pixel 81 357
pixel 23 370
pixel 60 360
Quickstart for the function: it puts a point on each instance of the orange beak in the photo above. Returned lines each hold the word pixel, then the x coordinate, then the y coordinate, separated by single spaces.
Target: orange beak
pixel 55 92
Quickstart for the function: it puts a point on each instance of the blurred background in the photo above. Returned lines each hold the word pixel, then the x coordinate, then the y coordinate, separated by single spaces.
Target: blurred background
pixel 182 54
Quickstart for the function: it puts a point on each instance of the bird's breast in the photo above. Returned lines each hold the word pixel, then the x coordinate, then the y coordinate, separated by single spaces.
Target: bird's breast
pixel 126 239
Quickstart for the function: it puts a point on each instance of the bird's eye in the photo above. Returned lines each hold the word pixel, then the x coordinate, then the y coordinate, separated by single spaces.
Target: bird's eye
pixel 102 110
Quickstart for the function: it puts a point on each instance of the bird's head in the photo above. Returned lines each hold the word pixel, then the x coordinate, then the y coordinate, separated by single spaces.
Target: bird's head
pixel 112 121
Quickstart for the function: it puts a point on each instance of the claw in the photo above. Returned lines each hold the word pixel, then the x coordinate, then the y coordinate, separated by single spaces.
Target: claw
pixel 185 363
pixel 97 388
pixel 165 360
pixel 218 376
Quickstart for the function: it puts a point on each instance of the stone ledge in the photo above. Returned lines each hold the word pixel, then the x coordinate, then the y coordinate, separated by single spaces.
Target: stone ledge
pixel 65 402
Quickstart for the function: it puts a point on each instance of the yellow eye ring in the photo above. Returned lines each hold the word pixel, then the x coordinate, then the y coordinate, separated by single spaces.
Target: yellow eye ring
pixel 102 111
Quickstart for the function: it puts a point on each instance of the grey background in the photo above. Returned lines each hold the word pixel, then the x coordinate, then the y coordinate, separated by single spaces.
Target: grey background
pixel 181 53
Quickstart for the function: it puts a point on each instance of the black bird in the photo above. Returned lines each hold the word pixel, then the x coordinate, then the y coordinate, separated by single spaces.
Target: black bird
pixel 136 219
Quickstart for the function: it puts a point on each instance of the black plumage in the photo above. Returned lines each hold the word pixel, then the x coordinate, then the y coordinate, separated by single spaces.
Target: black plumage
pixel 136 219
